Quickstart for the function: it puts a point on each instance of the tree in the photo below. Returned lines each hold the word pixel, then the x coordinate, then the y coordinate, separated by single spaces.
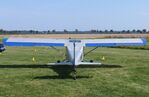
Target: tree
pixel 76 30
pixel 100 31
pixel 133 31
pixel 31 31
pixel 37 32
pixel 144 31
pixel 138 31
pixel 93 30
pixel 128 31
pixel 53 30
pixel 1 31
pixel 65 30
pixel 123 31
pixel 111 31
pixel 48 32
pixel 106 31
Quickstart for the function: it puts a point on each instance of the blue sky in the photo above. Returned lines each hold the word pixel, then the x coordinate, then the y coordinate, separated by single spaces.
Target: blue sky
pixel 72 14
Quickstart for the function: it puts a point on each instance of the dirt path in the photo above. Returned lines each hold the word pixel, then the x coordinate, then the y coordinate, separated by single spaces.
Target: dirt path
pixel 79 35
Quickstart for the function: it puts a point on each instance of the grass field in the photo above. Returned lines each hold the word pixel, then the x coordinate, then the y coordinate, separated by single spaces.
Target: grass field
pixel 126 75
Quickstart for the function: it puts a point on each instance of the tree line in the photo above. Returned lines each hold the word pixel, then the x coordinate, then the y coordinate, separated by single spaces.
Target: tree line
pixel 76 31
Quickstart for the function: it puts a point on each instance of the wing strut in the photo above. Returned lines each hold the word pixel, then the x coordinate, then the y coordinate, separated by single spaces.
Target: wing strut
pixel 90 51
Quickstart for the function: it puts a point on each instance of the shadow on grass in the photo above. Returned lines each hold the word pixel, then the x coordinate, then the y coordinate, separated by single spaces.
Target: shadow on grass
pixel 24 66
pixel 63 66
pixel 64 71
pixel 62 77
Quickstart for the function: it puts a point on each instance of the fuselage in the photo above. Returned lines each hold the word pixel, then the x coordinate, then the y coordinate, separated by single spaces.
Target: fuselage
pixel 74 52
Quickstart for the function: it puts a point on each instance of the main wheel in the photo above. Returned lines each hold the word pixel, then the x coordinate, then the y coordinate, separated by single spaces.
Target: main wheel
pixel 91 61
pixel 58 61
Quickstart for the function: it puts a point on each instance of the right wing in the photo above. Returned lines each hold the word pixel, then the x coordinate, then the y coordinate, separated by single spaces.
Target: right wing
pixel 33 42
pixel 114 42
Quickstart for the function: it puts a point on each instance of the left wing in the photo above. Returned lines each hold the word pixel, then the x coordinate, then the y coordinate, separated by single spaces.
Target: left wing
pixel 34 42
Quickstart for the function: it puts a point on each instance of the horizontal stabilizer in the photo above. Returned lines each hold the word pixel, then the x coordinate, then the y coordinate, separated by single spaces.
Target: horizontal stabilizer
pixel 89 63
pixel 61 63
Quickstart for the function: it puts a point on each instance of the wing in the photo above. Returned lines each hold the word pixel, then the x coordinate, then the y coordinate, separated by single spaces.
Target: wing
pixel 114 42
pixel 33 42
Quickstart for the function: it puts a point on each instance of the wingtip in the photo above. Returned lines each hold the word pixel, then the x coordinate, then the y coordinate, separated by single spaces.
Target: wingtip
pixel 144 41
pixel 4 40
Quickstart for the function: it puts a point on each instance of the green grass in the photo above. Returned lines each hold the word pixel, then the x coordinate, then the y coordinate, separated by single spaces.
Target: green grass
pixel 0 39
pixel 131 80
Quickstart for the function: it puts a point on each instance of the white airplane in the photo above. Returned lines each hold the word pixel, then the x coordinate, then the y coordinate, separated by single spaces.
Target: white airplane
pixel 74 47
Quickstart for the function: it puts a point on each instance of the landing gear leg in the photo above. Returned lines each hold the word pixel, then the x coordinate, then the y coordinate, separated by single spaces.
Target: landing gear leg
pixel 74 74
